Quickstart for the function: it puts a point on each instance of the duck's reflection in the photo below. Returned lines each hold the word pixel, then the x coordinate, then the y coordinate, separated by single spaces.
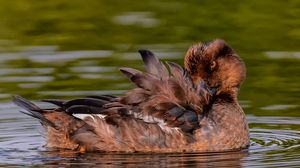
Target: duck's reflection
pixel 72 159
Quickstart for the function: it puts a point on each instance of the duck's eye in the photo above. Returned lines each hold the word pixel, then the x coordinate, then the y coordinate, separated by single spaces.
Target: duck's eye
pixel 213 65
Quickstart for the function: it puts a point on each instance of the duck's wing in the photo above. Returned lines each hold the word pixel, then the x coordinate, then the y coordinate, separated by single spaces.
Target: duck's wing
pixel 165 94
pixel 151 116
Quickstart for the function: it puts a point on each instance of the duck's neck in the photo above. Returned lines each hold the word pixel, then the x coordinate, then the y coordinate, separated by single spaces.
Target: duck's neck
pixel 225 98
pixel 225 108
pixel 228 123
pixel 228 94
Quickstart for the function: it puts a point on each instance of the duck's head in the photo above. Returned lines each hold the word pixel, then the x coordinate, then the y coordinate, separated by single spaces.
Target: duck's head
pixel 217 64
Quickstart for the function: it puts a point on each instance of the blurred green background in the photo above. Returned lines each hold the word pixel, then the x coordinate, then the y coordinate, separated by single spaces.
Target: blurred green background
pixel 64 49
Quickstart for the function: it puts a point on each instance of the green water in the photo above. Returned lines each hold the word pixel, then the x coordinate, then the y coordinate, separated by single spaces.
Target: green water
pixel 67 49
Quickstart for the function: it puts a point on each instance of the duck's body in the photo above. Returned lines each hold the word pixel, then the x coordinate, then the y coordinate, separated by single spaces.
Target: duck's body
pixel 180 110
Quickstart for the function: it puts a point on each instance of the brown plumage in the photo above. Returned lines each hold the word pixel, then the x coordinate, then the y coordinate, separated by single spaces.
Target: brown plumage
pixel 172 109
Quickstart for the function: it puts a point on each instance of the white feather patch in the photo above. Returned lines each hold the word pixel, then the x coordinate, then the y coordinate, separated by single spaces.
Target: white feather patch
pixel 83 116
pixel 154 120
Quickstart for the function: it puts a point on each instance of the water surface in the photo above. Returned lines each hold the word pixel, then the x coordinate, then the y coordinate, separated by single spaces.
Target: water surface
pixel 59 49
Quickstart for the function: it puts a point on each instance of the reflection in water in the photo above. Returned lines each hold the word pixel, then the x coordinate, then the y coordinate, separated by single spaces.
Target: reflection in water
pixel 10 71
pixel 279 107
pixel 66 55
pixel 283 55
pixel 160 54
pixel 144 19
pixel 227 159
pixel 27 79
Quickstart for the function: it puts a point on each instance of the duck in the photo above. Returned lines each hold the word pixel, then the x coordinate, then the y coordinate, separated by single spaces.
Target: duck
pixel 193 108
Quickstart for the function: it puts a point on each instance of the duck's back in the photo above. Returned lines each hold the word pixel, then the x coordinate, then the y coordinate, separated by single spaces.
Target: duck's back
pixel 160 115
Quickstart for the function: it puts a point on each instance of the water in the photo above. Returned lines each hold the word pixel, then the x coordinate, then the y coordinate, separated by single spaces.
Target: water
pixel 59 49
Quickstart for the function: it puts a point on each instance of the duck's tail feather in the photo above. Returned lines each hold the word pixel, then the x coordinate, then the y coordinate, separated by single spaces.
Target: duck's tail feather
pixel 39 116
pixel 25 104
pixel 59 125
pixel 32 110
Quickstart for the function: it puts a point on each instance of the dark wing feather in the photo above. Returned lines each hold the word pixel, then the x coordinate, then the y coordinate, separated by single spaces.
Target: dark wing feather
pixel 83 109
pixel 86 101
pixel 168 96
pixel 105 97
pixel 87 105
pixel 130 72
pixel 153 65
